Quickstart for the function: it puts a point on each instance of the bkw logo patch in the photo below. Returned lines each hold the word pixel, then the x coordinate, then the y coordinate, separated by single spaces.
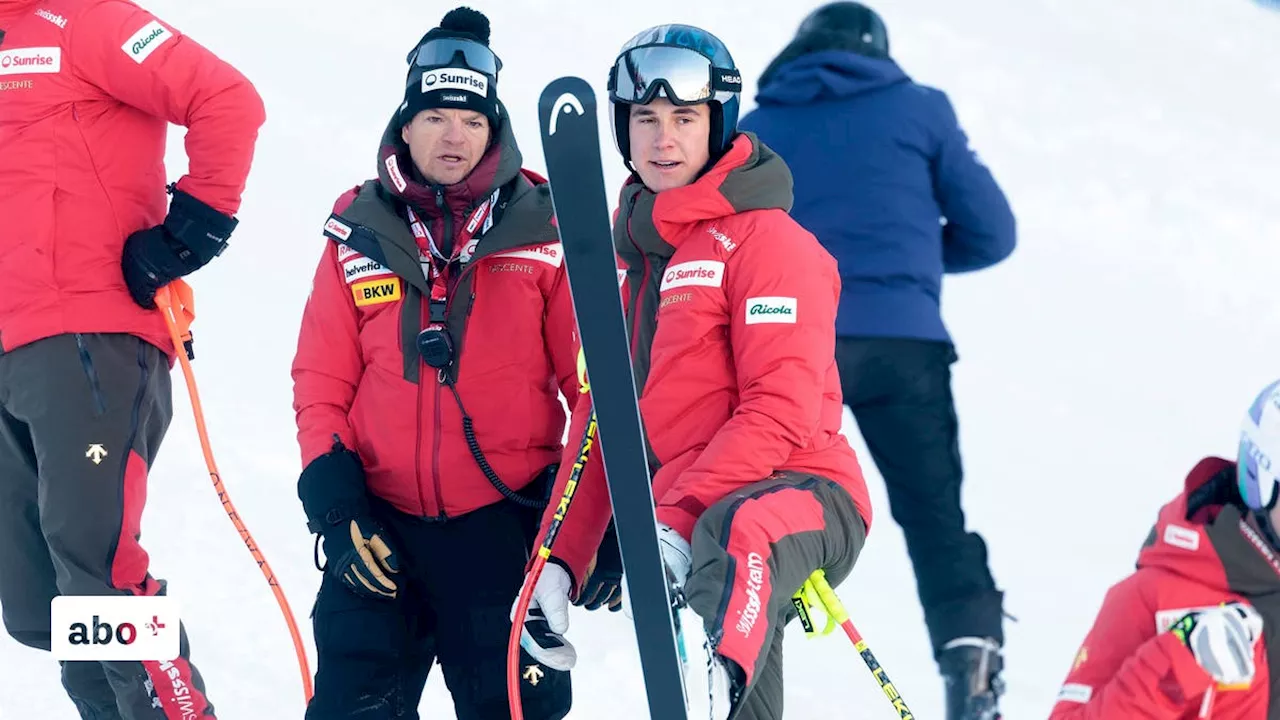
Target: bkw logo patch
pixel 375 292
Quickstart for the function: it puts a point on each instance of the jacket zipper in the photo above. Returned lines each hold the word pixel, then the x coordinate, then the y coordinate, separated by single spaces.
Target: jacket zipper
pixel 644 280
pixel 93 163
pixel 417 444
pixel 447 220
pixel 436 431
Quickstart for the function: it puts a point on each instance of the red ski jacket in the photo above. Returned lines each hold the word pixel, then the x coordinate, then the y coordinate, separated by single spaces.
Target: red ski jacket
pixel 87 91
pixel 731 310
pixel 358 373
pixel 1129 667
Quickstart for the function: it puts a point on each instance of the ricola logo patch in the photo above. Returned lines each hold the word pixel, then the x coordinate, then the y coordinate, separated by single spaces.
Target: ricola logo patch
pixel 771 310
pixel 146 41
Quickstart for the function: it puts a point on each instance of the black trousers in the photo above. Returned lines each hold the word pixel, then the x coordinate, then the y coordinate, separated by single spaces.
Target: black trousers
pixel 900 393
pixel 457 584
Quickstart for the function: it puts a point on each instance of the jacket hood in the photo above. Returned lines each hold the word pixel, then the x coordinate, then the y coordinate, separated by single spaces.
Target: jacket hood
pixel 828 75
pixel 749 176
pixel 398 174
pixel 1205 537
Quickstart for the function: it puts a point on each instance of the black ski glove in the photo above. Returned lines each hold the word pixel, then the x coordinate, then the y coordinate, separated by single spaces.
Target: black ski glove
pixel 358 550
pixel 192 234
pixel 603 585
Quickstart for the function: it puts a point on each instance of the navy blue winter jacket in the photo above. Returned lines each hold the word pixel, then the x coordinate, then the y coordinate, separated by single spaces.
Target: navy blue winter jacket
pixel 885 178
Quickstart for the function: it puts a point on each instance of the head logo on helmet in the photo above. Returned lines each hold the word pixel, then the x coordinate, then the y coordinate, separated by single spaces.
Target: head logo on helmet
pixel 651 64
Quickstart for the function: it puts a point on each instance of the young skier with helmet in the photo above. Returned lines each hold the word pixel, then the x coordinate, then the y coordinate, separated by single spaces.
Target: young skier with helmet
pixel 433 349
pixel 1183 636
pixel 875 199
pixel 731 308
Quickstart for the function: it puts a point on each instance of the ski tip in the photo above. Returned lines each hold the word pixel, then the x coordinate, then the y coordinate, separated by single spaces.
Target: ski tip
pixel 562 97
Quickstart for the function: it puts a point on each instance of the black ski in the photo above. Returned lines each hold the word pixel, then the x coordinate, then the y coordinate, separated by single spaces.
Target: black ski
pixel 571 146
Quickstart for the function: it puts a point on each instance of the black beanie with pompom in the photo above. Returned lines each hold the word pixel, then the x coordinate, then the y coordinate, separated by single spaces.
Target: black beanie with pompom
pixel 455 84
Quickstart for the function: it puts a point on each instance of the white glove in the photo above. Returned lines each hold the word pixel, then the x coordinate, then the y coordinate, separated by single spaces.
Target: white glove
pixel 1222 640
pixel 548 619
pixel 677 558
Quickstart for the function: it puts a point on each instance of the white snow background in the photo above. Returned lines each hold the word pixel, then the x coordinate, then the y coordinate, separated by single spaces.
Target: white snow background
pixel 1123 340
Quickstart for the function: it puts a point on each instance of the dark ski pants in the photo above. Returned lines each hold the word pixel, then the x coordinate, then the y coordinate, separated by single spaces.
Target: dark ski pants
pixel 457 583
pixel 751 552
pixel 900 394
pixel 81 420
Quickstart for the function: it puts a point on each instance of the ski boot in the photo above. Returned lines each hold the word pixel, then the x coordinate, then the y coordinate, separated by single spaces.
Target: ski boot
pixel 971 667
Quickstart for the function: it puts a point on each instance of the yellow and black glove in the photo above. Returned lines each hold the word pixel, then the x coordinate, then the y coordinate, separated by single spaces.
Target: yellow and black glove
pixel 358 550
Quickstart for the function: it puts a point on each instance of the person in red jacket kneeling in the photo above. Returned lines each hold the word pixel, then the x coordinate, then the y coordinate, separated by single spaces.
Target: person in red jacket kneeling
pixel 88 89
pixel 434 347
pixel 732 309
pixel 1183 636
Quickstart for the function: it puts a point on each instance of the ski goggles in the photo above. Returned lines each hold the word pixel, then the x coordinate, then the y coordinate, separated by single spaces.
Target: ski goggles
pixel 441 52
pixel 686 77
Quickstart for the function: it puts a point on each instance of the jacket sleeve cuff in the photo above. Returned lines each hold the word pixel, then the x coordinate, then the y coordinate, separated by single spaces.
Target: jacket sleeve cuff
pixel 573 576
pixel 677 519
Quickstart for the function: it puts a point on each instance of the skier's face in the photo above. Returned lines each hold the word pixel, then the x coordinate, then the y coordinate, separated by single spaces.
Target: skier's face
pixel 446 143
pixel 670 144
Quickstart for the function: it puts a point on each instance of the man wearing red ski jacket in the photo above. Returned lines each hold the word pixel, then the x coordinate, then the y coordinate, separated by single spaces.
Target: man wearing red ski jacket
pixel 434 347
pixel 731 313
pixel 1202 552
pixel 360 376
pixel 88 89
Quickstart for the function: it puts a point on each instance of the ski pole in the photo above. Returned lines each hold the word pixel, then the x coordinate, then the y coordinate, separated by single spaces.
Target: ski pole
pixel 816 590
pixel 177 303
pixel 539 562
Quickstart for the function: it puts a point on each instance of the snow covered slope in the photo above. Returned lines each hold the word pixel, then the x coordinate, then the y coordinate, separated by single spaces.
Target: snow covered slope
pixel 1122 341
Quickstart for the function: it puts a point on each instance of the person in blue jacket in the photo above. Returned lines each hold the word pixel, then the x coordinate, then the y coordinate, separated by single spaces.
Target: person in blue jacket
pixel 885 178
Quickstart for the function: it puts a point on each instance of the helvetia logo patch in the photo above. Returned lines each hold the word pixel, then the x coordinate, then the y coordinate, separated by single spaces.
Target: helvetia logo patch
pixel 360 267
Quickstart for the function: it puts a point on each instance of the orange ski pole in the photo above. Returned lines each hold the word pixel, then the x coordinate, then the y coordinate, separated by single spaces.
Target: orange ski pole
pixel 177 303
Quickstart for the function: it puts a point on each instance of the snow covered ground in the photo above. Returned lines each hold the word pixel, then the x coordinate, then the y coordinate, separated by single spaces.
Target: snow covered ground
pixel 1122 341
